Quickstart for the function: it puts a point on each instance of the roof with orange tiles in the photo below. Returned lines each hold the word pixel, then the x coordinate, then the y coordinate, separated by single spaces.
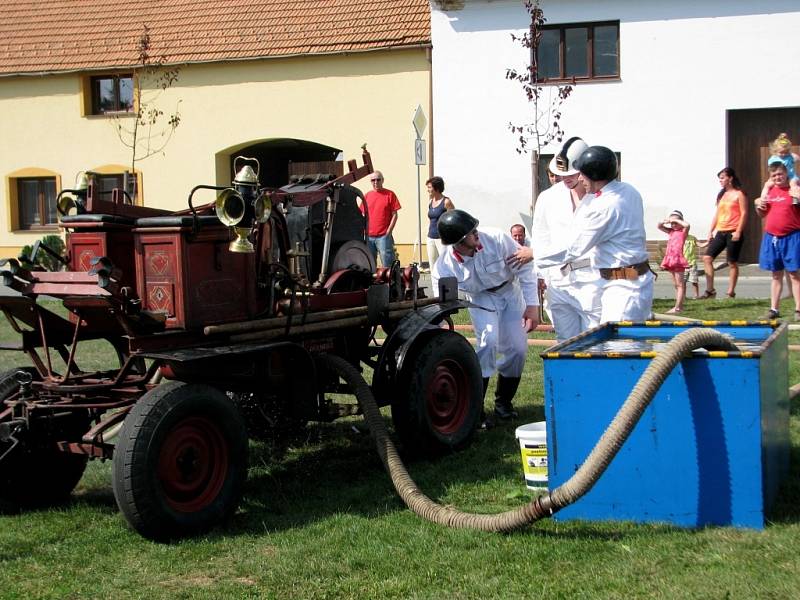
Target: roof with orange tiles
pixel 45 36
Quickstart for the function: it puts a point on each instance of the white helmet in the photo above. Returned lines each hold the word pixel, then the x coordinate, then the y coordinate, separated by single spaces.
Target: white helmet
pixel 563 163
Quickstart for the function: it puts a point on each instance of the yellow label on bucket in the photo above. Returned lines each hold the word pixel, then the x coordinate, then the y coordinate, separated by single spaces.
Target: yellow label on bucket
pixel 534 461
pixel 533 448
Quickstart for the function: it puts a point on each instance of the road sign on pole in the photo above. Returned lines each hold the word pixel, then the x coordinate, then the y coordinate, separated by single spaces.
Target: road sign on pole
pixel 419 121
pixel 419 152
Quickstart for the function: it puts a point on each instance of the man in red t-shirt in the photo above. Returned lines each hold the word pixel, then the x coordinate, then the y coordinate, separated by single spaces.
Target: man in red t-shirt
pixel 780 247
pixel 382 205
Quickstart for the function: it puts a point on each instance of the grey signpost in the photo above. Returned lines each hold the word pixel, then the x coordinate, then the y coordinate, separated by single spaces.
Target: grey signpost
pixel 420 122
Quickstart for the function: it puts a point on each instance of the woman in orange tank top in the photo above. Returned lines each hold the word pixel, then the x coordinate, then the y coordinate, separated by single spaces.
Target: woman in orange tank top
pixel 726 231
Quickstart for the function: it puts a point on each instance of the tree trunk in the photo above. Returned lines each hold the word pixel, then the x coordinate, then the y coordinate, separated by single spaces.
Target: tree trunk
pixel 535 176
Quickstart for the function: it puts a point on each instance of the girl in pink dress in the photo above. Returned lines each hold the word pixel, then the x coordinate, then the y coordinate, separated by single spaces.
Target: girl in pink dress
pixel 674 261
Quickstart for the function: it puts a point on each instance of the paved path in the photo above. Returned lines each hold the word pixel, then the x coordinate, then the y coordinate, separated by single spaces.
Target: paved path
pixel 753 283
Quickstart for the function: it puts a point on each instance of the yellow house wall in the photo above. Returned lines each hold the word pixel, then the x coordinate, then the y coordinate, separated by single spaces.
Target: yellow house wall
pixel 339 101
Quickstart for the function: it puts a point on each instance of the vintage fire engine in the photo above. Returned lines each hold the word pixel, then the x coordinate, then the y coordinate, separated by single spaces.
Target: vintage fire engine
pixel 218 315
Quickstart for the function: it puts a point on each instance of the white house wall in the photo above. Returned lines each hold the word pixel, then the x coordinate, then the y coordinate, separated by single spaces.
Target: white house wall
pixel 682 65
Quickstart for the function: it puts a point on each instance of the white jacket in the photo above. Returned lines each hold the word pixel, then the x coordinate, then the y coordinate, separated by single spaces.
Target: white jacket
pixel 487 269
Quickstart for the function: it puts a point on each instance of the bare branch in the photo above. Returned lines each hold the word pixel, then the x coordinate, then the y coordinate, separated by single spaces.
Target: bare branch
pixel 544 126
pixel 150 79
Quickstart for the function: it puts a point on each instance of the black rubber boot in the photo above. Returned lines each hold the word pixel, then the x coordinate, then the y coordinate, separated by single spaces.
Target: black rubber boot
pixel 485 422
pixel 506 388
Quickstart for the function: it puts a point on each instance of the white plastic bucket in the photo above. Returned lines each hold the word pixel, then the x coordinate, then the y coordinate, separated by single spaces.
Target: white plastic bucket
pixel 533 448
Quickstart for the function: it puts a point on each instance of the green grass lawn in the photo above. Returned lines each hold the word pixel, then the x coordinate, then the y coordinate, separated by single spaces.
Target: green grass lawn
pixel 320 519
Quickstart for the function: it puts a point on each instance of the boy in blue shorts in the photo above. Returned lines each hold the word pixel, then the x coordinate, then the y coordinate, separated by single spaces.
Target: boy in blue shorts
pixel 780 248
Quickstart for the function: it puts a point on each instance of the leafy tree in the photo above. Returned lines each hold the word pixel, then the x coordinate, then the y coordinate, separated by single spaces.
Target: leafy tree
pixel 546 100
pixel 147 134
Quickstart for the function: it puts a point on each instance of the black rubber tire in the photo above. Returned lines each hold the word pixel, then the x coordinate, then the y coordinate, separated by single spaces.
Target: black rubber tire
pixel 37 473
pixel 440 397
pixel 181 461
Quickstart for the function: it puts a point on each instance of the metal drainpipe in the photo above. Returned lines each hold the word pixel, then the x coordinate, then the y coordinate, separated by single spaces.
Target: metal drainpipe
pixel 429 56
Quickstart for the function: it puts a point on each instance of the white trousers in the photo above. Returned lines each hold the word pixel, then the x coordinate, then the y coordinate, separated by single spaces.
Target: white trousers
pixel 628 299
pixel 574 308
pixel 502 339
pixel 435 248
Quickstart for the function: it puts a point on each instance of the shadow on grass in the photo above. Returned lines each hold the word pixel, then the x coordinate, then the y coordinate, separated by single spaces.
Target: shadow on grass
pixel 785 510
pixel 339 472
pixel 334 469
pixel 98 499
pixel 794 406
pixel 605 531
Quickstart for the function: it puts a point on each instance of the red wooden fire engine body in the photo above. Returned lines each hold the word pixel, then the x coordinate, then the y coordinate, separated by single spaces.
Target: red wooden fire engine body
pixel 215 346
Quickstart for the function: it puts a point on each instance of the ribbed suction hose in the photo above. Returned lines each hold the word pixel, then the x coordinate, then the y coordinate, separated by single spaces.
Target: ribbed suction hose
pixel 583 479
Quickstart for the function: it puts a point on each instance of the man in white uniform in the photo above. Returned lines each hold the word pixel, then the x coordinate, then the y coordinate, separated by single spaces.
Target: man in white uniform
pixel 573 296
pixel 611 222
pixel 507 297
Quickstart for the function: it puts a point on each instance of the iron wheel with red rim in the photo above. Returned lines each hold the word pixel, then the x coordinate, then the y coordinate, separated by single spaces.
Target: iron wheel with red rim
pixel 440 395
pixel 181 461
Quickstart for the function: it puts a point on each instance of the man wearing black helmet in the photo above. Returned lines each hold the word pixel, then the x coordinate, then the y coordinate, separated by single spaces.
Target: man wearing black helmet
pixel 507 296
pixel 572 297
pixel 610 222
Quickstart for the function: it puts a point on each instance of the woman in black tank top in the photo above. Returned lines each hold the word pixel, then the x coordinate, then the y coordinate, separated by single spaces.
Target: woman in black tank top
pixel 437 206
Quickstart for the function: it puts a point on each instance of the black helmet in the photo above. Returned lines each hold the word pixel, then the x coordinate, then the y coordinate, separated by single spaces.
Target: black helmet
pixel 598 163
pixel 454 225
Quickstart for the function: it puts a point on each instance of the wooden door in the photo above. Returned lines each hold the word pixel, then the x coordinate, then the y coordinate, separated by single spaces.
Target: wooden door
pixel 749 133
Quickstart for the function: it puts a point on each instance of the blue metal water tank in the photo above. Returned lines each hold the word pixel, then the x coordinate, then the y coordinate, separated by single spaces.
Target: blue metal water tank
pixel 710 449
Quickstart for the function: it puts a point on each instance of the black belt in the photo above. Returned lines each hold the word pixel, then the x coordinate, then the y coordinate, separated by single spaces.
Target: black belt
pixel 497 288
pixel 630 272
